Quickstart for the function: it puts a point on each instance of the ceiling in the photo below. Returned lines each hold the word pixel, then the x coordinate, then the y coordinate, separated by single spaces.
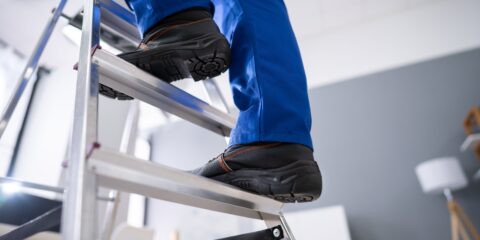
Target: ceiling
pixel 21 21
pixel 316 16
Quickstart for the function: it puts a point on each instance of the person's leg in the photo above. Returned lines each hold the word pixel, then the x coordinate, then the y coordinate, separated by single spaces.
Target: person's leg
pixel 267 75
pixel 270 149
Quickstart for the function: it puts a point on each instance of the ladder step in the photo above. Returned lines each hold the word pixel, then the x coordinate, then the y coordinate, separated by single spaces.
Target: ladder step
pixel 128 174
pixel 118 19
pixel 127 78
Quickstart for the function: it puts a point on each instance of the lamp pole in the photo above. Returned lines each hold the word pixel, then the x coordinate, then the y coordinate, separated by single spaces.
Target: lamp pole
pixel 448 194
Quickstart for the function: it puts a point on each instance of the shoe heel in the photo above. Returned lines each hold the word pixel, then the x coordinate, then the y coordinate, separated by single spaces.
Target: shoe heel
pixel 304 189
pixel 310 185
pixel 207 63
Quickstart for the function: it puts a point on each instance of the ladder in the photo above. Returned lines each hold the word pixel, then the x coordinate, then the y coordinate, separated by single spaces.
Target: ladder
pixel 91 165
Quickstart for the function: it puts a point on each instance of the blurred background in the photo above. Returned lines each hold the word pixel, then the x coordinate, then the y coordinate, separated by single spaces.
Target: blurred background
pixel 390 84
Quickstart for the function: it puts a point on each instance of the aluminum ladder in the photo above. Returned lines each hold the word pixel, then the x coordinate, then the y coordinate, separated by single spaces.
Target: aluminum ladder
pixel 91 165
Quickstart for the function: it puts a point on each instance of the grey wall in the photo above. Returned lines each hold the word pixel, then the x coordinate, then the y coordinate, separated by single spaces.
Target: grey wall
pixel 371 132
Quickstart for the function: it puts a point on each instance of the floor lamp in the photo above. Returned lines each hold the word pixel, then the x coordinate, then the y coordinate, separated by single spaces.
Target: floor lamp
pixel 444 175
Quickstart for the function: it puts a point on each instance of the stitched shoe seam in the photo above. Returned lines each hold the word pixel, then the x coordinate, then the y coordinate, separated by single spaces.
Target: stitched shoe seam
pixel 249 149
pixel 223 164
pixel 168 29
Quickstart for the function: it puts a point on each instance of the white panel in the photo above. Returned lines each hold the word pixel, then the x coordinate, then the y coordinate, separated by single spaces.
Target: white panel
pixel 324 223
pixel 126 232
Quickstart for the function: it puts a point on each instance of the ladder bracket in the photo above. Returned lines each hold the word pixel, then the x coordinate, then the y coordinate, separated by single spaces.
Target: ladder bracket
pixel 275 233
pixel 90 151
pixel 94 146
pixel 94 48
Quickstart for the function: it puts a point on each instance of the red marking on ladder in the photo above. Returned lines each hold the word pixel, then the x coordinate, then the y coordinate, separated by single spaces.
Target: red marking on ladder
pixel 94 146
pixel 94 48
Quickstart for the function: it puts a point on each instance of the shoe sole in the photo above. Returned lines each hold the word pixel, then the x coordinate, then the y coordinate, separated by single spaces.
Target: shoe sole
pixel 112 93
pixel 199 59
pixel 297 182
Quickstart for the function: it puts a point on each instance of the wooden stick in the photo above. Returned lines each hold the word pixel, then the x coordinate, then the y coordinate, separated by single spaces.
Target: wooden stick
pixel 463 232
pixel 467 222
pixel 472 119
pixel 454 224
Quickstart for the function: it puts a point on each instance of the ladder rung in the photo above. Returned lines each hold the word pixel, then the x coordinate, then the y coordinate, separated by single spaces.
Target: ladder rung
pixel 125 173
pixel 120 20
pixel 129 79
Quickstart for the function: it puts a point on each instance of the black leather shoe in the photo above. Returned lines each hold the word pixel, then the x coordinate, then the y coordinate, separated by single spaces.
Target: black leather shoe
pixel 283 171
pixel 186 44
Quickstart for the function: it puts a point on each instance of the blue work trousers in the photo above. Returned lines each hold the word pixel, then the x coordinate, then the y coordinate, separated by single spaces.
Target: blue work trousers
pixel 267 76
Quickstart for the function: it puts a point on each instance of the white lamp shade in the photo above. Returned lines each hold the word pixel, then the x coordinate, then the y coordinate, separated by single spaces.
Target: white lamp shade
pixel 439 174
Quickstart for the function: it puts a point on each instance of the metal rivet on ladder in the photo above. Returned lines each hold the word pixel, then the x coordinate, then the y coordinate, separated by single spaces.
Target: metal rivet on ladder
pixel 276 232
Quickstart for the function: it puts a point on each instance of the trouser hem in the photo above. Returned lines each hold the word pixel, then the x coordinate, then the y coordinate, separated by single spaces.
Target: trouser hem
pixel 245 138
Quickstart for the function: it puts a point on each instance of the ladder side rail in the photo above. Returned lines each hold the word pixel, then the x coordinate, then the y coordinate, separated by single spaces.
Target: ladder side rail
pixel 42 187
pixel 215 95
pixel 216 99
pixel 30 68
pixel 275 220
pixel 119 11
pixel 79 218
pixel 32 185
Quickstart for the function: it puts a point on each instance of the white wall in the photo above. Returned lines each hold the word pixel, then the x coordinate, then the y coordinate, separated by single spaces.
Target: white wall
pixel 406 37
pixel 10 71
pixel 46 134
